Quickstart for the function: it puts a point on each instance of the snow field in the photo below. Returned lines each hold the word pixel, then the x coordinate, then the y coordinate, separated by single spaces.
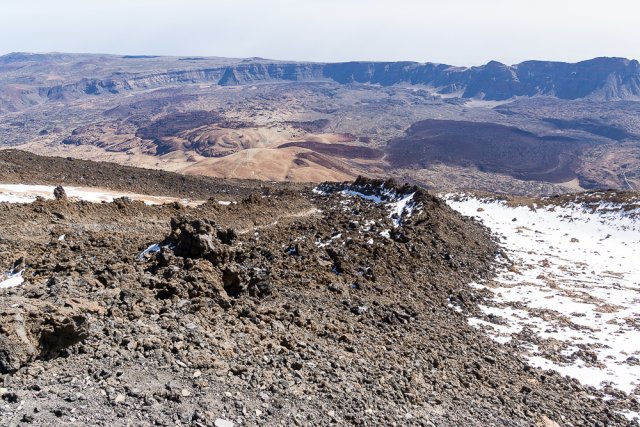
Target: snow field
pixel 574 281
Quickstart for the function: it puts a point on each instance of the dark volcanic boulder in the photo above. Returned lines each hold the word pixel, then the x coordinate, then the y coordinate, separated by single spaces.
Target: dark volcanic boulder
pixel 59 193
pixel 199 238
pixel 36 330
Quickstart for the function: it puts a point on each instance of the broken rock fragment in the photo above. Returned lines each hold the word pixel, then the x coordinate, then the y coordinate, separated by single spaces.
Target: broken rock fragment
pixel 35 330
pixel 59 193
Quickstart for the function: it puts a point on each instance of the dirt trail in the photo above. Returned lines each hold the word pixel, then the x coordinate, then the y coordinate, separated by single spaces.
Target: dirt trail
pixel 294 215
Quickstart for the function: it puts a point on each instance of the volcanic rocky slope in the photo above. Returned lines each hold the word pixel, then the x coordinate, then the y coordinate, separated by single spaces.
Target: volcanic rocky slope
pixel 19 167
pixel 490 147
pixel 290 307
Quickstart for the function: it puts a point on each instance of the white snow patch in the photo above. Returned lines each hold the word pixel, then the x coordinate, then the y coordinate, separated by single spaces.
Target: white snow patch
pixel 322 244
pixel 575 278
pixel 403 207
pixel 630 415
pixel 370 197
pixel 454 307
pixel 151 249
pixel 400 205
pixel 12 280
pixel 22 193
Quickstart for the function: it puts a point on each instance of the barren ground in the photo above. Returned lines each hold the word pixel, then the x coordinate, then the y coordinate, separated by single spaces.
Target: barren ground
pixel 272 311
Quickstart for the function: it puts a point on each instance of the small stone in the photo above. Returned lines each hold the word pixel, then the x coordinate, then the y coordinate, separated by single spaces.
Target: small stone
pixel 120 398
pixel 60 412
pixel 59 193
pixel 361 309
pixel 135 392
pixel 197 374
pixel 150 401
pixel 10 397
pixel 185 392
pixel 222 423
pixel 490 359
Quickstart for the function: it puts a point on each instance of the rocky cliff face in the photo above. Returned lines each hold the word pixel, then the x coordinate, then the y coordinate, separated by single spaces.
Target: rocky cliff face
pixel 251 73
pixel 600 78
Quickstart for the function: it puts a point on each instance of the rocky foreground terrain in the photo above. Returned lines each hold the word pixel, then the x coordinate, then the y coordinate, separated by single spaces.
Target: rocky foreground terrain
pixel 279 306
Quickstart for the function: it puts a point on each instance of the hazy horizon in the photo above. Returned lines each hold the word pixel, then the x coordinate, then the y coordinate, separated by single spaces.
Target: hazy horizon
pixel 151 55
pixel 456 32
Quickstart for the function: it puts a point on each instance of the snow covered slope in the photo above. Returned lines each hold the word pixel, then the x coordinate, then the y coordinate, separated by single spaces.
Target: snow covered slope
pixel 570 298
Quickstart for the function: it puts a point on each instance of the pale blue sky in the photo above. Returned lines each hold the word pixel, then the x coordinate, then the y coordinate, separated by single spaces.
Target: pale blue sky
pixel 459 32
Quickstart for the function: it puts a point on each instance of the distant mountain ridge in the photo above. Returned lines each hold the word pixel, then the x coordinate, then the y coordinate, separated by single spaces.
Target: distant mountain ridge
pixel 601 78
pixel 27 79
